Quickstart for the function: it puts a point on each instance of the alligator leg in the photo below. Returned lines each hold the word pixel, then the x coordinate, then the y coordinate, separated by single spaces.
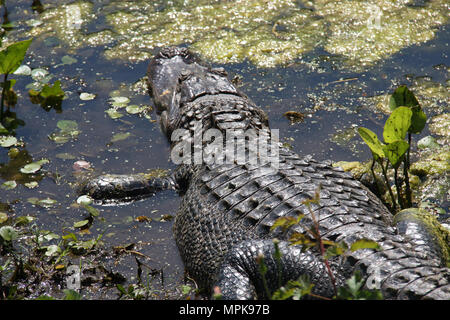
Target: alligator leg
pixel 123 187
pixel 240 274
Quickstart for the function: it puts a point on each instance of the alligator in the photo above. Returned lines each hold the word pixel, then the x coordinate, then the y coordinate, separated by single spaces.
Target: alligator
pixel 225 227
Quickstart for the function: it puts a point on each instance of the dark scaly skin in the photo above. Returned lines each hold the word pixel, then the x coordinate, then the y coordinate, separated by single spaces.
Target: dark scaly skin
pixel 223 223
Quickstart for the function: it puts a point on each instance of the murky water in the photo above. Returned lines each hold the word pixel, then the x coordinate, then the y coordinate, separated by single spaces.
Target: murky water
pixel 308 71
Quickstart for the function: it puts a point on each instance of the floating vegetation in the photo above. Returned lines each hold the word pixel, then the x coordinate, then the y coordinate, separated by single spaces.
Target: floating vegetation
pixel 68 130
pixel 34 166
pixel 268 33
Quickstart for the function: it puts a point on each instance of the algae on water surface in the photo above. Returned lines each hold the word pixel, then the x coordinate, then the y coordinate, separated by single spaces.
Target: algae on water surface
pixel 268 33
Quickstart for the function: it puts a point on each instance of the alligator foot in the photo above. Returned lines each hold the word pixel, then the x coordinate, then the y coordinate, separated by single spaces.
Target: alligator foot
pixel 240 275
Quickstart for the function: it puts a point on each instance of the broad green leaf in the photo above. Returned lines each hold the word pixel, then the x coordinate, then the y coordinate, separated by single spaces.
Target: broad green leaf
pixel 67 125
pixel 39 75
pixel 92 211
pixel 23 220
pixel 31 185
pixel 364 244
pixel 23 71
pixel 397 124
pixel 402 96
pixel 52 92
pixel 3 217
pixel 52 250
pixel 418 120
pixel 34 166
pixel 68 60
pixel 13 55
pixel 80 224
pixel 8 185
pixel 120 136
pixel 31 168
pixel 7 141
pixel 87 96
pixel 371 139
pixel 8 233
pixel 134 109
pixel 395 152
pixel 113 113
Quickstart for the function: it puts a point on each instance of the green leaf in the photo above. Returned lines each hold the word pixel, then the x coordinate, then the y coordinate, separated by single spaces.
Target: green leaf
pixel 402 96
pixel 7 141
pixel 52 92
pixel 113 113
pixel 120 136
pixel 68 60
pixel 371 139
pixel 67 125
pixel 364 244
pixel 8 233
pixel 397 124
pixel 92 211
pixel 52 250
pixel 34 166
pixel 31 168
pixel 3 217
pixel 8 185
pixel 13 55
pixel 80 224
pixel 70 294
pixel 395 152
pixel 418 120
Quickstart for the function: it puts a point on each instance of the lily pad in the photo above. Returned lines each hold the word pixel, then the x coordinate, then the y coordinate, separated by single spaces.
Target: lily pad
pixel 68 60
pixel 3 217
pixel 31 185
pixel 65 156
pixel 87 96
pixel 46 203
pixel 39 74
pixel 7 141
pixel 80 224
pixel 134 109
pixel 23 70
pixel 33 167
pixel 114 114
pixel 8 233
pixel 120 136
pixel 8 185
pixel 67 125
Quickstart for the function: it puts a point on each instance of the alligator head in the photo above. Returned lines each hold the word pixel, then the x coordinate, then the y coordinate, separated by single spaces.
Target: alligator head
pixel 176 77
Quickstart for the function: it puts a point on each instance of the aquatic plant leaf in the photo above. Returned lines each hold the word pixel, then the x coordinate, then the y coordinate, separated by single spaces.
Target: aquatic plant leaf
pixel 87 96
pixel 52 250
pixel 33 167
pixel 7 141
pixel 52 92
pixel 8 233
pixel 402 96
pixel 13 55
pixel 68 60
pixel 23 71
pixel 67 125
pixel 8 185
pixel 371 139
pixel 418 120
pixel 397 124
pixel 114 114
pixel 134 109
pixel 395 152
pixel 80 224
pixel 120 136
pixel 3 217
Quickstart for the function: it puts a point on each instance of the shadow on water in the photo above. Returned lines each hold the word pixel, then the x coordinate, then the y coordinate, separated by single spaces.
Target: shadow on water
pixel 331 98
